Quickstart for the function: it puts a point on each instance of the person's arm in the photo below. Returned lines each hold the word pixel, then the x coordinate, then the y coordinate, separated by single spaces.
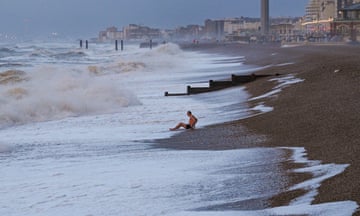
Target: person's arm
pixel 194 121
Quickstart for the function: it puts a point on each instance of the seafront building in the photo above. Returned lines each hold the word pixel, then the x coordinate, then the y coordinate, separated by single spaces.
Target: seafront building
pixel 289 30
pixel 134 31
pixel 130 32
pixel 214 29
pixel 332 20
pixel 189 32
pixel 324 20
pixel 319 15
pixel 110 34
pixel 347 24
pixel 241 25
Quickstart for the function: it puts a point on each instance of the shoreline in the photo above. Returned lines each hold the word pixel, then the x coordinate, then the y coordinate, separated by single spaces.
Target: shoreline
pixel 315 114
pixel 318 114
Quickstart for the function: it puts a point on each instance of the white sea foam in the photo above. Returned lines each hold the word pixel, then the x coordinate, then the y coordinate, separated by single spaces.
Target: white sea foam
pixel 286 80
pixel 283 82
pixel 301 205
pixel 285 64
pixel 52 93
pixel 345 208
pixel 262 108
pixel 63 89
pixel 320 171
pixel 291 45
pixel 5 148
pixel 151 182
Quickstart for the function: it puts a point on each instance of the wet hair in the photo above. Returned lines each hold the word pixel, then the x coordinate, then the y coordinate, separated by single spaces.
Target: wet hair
pixel 189 112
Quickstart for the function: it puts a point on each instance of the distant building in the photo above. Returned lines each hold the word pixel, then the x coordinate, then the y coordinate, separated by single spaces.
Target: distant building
pixel 189 32
pixel 214 29
pixel 347 24
pixel 110 34
pixel 134 31
pixel 233 25
pixel 321 13
pixel 283 32
pixel 286 29
pixel 241 29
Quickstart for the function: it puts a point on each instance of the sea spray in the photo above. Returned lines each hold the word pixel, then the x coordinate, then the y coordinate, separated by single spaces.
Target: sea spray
pixel 12 76
pixel 47 92
pixel 168 49
pixel 52 93
pixel 119 67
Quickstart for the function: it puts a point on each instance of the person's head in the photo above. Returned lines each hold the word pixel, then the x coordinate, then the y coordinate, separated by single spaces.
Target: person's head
pixel 188 113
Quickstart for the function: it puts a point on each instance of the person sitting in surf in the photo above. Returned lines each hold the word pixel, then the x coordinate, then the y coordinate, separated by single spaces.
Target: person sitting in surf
pixel 191 125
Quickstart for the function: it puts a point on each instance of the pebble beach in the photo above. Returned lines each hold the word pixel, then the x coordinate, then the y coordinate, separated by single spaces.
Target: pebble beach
pixel 321 113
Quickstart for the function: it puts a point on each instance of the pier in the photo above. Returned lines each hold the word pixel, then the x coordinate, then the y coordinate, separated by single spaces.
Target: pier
pixel 235 80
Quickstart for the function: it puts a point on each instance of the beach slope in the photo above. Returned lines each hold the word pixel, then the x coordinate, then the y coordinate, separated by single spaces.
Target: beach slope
pixel 320 114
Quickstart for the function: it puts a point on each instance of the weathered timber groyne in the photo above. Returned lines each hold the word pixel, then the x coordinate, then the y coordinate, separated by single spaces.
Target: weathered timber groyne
pixel 236 80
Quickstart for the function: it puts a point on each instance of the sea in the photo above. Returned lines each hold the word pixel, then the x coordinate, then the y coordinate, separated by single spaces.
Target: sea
pixel 77 126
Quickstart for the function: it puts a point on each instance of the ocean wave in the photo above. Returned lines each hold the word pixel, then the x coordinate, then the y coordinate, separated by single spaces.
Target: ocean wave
pixel 119 67
pixel 69 55
pixel 7 65
pixel 52 93
pixel 168 49
pixel 39 52
pixel 164 56
pixel 6 52
pixel 4 49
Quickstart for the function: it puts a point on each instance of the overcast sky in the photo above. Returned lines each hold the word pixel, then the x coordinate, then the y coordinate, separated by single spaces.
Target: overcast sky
pixel 87 17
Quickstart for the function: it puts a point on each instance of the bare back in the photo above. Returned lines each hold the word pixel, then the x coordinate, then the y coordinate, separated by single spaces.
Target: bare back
pixel 192 121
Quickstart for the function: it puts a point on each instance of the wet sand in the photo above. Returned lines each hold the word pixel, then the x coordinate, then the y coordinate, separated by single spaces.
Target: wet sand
pixel 321 114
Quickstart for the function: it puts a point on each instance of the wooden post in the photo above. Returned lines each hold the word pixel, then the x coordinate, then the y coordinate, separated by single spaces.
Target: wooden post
pixel 122 45
pixel 188 90
pixel 86 44
pixel 150 44
pixel 80 43
pixel 116 45
pixel 211 83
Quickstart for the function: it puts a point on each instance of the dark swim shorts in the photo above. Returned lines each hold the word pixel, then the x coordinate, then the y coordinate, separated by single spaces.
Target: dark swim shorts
pixel 188 126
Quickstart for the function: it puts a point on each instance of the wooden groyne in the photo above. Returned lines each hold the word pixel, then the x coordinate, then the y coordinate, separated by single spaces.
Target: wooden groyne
pixel 236 80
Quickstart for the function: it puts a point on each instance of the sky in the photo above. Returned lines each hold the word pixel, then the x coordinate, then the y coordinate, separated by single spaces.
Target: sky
pixel 88 17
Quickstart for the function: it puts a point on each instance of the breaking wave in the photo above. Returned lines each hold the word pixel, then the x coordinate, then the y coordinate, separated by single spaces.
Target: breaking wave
pixel 69 55
pixel 168 49
pixel 163 56
pixel 4 49
pixel 119 67
pixel 4 52
pixel 39 52
pixel 51 93
pixel 11 65
pixel 59 91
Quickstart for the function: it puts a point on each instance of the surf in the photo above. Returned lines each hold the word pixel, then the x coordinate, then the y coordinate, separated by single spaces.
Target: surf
pixel 50 93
